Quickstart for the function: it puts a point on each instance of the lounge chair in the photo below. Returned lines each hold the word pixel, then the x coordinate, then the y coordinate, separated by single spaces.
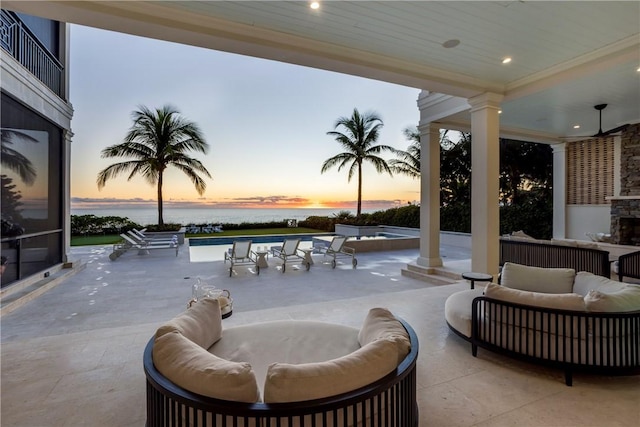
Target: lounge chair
pixel 289 252
pixel 192 229
pixel 241 254
pixel 150 240
pixel 337 249
pixel 143 248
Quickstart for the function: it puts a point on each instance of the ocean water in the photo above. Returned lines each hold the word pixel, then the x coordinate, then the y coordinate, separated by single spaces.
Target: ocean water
pixel 145 216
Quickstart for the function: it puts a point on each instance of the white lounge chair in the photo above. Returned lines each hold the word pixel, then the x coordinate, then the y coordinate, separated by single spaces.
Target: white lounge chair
pixel 241 254
pixel 144 248
pixel 150 240
pixel 289 252
pixel 337 249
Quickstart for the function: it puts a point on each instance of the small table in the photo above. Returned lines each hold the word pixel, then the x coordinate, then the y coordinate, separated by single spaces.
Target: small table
pixel 262 259
pixel 476 277
pixel 307 256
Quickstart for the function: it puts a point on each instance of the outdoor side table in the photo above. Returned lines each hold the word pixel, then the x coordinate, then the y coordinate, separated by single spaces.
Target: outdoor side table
pixel 476 277
pixel 262 259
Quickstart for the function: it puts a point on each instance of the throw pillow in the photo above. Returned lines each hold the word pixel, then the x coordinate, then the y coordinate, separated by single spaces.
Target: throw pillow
pixel 585 282
pixel 191 367
pixel 295 383
pixel 537 279
pixel 380 323
pixel 566 301
pixel 627 299
pixel 201 323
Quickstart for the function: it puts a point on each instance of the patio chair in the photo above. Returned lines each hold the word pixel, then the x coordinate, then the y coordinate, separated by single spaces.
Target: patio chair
pixel 143 248
pixel 289 252
pixel 150 240
pixel 241 254
pixel 337 249
pixel 192 229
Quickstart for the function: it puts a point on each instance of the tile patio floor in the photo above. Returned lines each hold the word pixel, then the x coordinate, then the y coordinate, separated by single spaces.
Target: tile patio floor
pixel 73 356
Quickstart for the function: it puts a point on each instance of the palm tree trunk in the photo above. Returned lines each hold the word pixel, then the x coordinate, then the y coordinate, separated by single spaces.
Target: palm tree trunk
pixel 160 219
pixel 359 190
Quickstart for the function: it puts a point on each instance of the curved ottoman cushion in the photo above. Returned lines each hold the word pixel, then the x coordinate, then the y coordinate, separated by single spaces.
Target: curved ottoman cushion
pixel 287 341
pixel 457 310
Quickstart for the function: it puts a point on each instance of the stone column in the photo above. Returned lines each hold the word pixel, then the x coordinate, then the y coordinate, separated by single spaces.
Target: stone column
pixel 485 169
pixel 429 196
pixel 559 190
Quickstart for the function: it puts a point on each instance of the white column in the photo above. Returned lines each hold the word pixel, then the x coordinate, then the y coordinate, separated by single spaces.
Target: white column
pixel 429 196
pixel 559 190
pixel 485 172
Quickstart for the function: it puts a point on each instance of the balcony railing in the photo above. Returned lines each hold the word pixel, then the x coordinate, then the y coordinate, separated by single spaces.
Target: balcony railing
pixel 20 43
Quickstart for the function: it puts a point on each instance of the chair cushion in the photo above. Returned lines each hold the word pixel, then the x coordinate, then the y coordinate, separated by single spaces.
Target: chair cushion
pixel 566 301
pixel 585 282
pixel 537 279
pixel 380 323
pixel 293 383
pixel 201 323
pixel 624 300
pixel 191 367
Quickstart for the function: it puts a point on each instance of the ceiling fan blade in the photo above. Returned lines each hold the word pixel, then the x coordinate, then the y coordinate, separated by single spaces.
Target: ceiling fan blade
pixel 616 129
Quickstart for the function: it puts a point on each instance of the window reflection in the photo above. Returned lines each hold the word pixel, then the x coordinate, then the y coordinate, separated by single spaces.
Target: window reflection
pixel 24 180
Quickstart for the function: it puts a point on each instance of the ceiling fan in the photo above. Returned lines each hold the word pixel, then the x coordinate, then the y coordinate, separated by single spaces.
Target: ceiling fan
pixel 600 133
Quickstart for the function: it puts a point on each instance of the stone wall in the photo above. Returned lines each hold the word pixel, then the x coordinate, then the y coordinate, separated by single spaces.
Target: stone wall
pixel 625 210
pixel 630 161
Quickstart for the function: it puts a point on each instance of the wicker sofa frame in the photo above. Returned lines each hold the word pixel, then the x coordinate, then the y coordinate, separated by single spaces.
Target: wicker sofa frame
pixel 629 266
pixel 390 401
pixel 547 255
pixel 566 341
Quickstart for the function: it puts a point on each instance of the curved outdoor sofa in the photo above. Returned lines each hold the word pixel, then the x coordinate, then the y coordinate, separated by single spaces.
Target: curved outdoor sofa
pixel 371 381
pixel 555 317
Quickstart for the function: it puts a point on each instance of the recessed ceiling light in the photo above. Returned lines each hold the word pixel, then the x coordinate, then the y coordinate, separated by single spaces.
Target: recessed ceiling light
pixel 506 59
pixel 315 5
pixel 638 70
pixel 576 126
pixel 499 111
pixel 451 43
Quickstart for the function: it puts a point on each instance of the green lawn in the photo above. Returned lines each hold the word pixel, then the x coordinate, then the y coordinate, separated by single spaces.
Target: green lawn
pixel 113 238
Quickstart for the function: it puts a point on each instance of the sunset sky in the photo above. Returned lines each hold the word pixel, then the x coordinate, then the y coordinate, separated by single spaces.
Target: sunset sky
pixel 265 122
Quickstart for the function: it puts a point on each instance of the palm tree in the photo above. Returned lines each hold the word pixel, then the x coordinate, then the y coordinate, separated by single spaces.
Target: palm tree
pixel 408 162
pixel 158 139
pixel 360 135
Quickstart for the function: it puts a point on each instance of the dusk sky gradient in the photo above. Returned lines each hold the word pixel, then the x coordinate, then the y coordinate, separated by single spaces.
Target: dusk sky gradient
pixel 266 123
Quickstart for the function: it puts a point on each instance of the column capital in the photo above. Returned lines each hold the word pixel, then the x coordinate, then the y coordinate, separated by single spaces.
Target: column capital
pixel 485 100
pixel 559 148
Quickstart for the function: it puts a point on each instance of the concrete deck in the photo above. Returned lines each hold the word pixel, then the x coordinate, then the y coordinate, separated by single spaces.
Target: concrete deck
pixel 73 356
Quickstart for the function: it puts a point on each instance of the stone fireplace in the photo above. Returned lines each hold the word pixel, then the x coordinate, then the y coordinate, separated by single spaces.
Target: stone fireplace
pixel 625 209
pixel 625 220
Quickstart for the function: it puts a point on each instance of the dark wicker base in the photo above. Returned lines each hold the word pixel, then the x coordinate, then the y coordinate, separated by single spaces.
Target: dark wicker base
pixel 575 350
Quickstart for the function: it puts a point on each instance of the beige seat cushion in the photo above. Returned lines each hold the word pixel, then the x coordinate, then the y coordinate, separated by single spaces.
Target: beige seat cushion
pixel 193 368
pixel 537 279
pixel 567 301
pixel 585 282
pixel 201 323
pixel 293 383
pixel 381 323
pixel 286 341
pixel 624 300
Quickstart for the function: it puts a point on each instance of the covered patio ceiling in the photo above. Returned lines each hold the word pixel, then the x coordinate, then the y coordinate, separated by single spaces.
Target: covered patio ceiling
pixel 566 56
